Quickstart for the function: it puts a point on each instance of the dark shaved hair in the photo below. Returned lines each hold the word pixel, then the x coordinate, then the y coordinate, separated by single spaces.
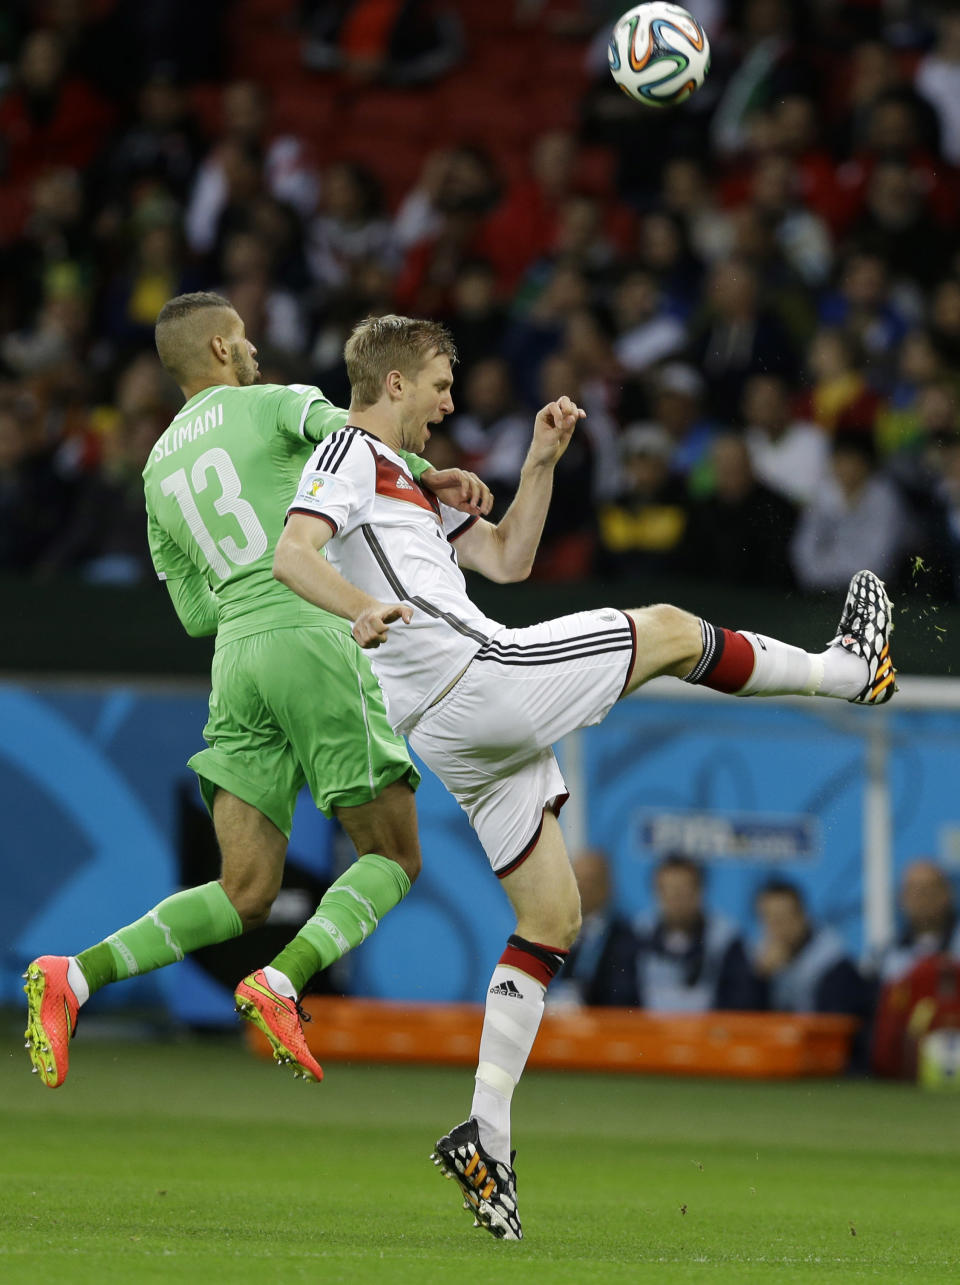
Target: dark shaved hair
pixel 178 336
pixel 381 344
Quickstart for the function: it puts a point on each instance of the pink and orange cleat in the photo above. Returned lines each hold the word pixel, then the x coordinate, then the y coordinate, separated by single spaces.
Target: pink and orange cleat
pixel 279 1018
pixel 51 1018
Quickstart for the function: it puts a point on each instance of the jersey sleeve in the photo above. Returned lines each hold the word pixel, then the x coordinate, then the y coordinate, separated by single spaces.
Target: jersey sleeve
pixel 455 522
pixel 195 604
pixel 169 560
pixel 303 411
pixel 338 485
pixel 416 464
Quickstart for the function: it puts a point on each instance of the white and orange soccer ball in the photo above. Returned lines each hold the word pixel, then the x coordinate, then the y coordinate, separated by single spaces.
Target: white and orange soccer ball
pixel 659 54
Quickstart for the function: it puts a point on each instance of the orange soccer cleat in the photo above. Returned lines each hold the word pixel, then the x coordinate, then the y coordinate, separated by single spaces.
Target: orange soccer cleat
pixel 279 1017
pixel 51 1018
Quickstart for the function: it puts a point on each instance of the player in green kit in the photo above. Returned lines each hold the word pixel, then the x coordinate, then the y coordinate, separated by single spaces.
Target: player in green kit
pixel 293 700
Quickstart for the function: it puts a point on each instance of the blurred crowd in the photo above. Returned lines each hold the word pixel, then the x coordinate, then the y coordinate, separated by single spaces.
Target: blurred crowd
pixel 684 957
pixel 756 297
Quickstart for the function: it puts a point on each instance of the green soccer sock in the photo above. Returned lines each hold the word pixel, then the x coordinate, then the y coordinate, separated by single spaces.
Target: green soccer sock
pixel 348 913
pixel 195 917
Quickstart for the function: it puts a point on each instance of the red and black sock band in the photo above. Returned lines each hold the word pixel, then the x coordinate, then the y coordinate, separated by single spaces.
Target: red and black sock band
pixel 727 661
pixel 539 962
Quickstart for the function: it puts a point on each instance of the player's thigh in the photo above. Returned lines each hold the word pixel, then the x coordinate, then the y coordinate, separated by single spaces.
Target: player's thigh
pixel 527 688
pixel 503 792
pixel 668 642
pixel 248 753
pixel 323 695
pixel 543 890
pixel 387 825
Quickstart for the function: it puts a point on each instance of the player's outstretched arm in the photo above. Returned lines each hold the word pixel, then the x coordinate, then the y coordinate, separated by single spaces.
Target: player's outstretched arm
pixel 505 552
pixel 299 564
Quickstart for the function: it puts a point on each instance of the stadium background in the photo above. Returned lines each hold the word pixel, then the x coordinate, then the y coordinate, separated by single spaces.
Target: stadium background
pixel 134 167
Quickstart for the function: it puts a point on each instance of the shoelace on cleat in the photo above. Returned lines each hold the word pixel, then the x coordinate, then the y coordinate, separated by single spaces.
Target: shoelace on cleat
pixel 477 1175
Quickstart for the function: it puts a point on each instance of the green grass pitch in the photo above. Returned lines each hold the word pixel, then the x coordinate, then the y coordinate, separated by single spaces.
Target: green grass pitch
pixel 197 1163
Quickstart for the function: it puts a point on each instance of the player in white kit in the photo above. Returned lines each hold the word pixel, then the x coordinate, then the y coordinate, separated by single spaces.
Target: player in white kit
pixel 482 704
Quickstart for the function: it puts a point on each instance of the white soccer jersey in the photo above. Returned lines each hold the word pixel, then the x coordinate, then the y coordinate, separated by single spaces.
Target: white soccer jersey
pixel 394 541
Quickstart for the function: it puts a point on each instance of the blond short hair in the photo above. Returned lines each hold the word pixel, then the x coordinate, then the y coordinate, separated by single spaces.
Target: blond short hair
pixel 381 344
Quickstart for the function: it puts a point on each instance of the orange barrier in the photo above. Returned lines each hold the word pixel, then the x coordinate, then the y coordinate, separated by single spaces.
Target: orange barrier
pixel 750 1045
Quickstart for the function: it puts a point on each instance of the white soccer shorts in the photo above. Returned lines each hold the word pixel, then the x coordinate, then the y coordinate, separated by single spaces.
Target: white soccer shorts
pixel 489 738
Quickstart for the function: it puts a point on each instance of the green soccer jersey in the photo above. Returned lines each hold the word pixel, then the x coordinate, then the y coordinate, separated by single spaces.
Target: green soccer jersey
pixel 217 486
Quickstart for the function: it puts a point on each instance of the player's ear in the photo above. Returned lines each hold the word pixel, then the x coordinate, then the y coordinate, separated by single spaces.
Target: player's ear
pixel 220 349
pixel 394 385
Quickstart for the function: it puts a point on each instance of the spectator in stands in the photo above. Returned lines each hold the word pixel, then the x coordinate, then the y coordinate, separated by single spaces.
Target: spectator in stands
pixel 840 397
pixel 156 269
pixel 857 520
pixel 800 235
pixel 664 251
pixel 689 960
pixel 161 143
pixel 398 42
pixel 444 227
pixel 49 118
pixel 642 527
pixel 538 332
pixel 918 364
pixel 737 337
pixel 898 226
pixel 862 307
pixel 461 178
pixel 55 242
pixel 937 79
pixel 788 455
pixel 803 968
pixel 686 195
pixel 268 309
pixel 31 494
pixel 924 471
pixel 770 64
pixel 477 318
pixel 928 913
pixel 104 537
pixel 741 532
pixel 677 395
pixel 351 226
pixel 945 319
pixel 490 427
pixel 569 534
pixel 647 332
pixel 524 227
pixel 599 970
pixel 290 174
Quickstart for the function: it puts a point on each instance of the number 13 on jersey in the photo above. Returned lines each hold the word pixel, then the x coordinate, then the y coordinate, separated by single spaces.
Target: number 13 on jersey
pixel 219 553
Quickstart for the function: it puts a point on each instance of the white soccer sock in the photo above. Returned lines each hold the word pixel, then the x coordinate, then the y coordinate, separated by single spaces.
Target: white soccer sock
pixel 510 1023
pixel 783 670
pixel 844 675
pixel 280 982
pixel 76 981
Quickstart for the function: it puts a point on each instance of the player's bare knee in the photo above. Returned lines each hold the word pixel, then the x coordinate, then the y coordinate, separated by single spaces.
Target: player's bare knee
pixel 559 926
pixel 668 641
pixel 409 861
pixel 252 901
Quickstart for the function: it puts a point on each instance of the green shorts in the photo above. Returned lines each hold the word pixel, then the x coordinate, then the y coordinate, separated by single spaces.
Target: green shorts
pixel 298 705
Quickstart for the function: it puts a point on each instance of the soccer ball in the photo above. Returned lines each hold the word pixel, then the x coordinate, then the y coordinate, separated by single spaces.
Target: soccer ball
pixel 659 54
